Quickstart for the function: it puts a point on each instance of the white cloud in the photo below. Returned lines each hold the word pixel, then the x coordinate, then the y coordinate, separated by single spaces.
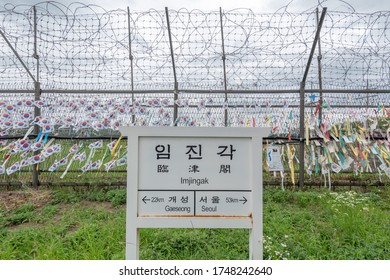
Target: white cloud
pixel 257 6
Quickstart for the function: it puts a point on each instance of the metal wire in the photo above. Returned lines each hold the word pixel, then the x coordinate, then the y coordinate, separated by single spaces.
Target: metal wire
pixel 86 47
pixel 100 69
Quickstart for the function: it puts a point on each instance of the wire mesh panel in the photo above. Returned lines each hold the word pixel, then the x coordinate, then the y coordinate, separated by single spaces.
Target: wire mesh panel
pixel 17 27
pixel 86 47
pixel 268 50
pixel 197 48
pixel 355 52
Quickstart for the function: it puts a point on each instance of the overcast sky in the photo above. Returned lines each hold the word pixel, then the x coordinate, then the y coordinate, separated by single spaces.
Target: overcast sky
pixel 361 6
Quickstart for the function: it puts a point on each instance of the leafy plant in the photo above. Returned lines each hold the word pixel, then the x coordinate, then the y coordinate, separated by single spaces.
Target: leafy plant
pixel 21 215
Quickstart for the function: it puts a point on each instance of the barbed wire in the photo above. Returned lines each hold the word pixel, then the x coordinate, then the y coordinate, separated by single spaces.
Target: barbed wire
pixel 89 60
pixel 87 47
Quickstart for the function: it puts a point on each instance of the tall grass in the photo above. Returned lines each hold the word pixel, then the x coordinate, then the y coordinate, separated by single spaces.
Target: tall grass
pixel 90 224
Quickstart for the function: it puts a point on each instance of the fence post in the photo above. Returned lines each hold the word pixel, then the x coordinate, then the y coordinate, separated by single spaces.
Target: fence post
pixel 37 96
pixel 35 55
pixel 301 134
pixel 37 112
pixel 319 58
pixel 224 68
pixel 302 104
pixel 176 85
pixel 131 61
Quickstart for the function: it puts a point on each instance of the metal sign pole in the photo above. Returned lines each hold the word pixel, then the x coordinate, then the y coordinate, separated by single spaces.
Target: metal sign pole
pixel 132 231
pixel 256 233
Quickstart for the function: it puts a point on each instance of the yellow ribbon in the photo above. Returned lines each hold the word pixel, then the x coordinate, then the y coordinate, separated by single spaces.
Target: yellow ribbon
pixel 291 163
pixel 116 145
pixel 348 127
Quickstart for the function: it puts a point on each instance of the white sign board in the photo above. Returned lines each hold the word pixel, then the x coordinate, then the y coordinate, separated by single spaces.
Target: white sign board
pixel 194 163
pixel 194 203
pixel 274 159
pixel 184 177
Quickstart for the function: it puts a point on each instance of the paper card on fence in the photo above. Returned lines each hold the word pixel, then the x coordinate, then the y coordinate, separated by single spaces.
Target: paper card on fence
pixel 347 162
pixel 334 137
pixel 274 159
pixel 383 166
pixel 310 170
pixel 374 125
pixel 346 139
pixel 335 168
pixel 385 169
pixel 319 133
pixel 330 147
pixel 373 150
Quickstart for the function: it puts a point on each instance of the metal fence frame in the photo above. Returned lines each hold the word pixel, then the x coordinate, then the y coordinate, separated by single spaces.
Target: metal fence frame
pixel 300 91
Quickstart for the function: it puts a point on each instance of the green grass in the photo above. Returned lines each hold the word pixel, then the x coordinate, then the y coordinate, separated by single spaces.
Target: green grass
pixel 89 223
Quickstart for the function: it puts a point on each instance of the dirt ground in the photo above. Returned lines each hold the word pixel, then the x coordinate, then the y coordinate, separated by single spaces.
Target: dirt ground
pixel 10 200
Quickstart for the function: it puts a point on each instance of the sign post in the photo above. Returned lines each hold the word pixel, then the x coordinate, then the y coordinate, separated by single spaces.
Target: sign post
pixel 185 177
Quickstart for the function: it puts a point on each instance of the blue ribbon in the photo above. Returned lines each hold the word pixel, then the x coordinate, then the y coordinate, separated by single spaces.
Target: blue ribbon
pixel 45 139
pixel 38 136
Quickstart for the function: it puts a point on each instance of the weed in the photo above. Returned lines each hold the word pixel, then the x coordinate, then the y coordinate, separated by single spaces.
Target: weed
pixel 46 213
pixel 96 195
pixel 23 214
pixel 117 197
pixel 65 196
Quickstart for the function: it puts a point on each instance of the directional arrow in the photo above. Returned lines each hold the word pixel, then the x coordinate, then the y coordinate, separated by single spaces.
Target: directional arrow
pixel 244 199
pixel 145 199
